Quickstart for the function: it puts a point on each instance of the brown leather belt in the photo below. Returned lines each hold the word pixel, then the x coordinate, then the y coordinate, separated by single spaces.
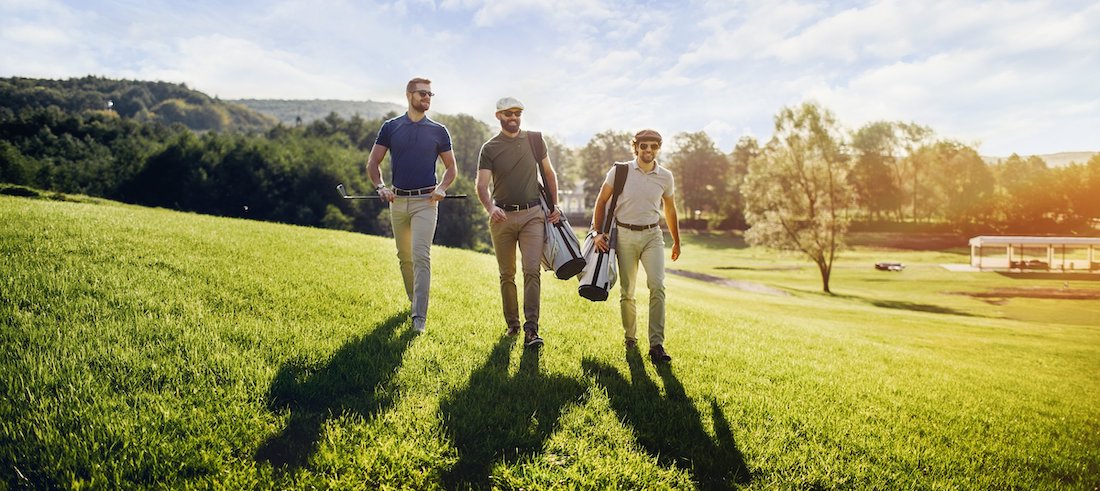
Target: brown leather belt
pixel 414 192
pixel 530 204
pixel 636 228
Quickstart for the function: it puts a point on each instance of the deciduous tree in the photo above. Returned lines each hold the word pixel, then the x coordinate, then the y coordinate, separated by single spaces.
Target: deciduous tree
pixel 797 193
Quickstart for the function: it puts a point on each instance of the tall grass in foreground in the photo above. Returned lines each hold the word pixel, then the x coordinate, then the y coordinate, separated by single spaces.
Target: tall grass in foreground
pixel 149 348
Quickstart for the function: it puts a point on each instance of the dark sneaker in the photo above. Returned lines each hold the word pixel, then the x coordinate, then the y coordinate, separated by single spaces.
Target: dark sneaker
pixel 513 331
pixel 658 355
pixel 531 339
pixel 631 343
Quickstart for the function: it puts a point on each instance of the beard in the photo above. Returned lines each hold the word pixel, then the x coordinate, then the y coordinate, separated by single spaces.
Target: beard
pixel 510 126
pixel 642 157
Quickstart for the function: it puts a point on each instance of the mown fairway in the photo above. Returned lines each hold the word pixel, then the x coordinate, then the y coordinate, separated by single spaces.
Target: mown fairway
pixel 150 348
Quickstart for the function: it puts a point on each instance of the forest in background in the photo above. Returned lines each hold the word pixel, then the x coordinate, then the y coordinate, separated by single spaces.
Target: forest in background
pixel 164 144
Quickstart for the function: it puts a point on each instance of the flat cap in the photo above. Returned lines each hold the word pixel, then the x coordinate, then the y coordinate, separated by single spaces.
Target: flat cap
pixel 507 103
pixel 647 134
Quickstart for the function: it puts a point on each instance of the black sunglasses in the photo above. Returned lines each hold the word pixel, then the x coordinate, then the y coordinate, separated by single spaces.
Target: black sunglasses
pixel 649 146
pixel 423 93
pixel 509 114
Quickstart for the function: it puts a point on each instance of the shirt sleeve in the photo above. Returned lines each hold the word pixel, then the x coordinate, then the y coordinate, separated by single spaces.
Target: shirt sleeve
pixel 609 179
pixel 670 188
pixel 545 150
pixel 483 160
pixel 384 134
pixel 445 141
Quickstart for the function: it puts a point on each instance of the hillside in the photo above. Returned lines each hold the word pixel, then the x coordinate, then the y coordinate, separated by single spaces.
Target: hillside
pixel 288 111
pixel 1060 159
pixel 144 101
pixel 147 348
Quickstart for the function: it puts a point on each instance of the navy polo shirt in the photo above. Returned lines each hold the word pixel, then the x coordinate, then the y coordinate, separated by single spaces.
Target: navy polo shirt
pixel 414 149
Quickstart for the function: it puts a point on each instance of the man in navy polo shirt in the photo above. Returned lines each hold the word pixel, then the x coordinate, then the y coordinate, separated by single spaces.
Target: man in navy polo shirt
pixel 415 143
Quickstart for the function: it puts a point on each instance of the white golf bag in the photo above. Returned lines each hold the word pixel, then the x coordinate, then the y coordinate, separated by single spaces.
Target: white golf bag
pixel 562 251
pixel 601 269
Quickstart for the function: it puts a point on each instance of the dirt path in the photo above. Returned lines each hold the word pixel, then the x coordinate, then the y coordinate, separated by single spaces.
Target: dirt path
pixel 748 286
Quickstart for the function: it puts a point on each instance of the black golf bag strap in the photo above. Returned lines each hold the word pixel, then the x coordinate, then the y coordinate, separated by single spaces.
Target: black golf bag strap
pixel 621 171
pixel 538 147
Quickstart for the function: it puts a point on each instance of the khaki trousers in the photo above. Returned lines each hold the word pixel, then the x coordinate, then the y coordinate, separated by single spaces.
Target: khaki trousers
pixel 413 221
pixel 527 229
pixel 647 247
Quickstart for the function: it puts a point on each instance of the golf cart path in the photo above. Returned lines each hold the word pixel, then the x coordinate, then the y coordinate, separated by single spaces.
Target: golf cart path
pixel 748 286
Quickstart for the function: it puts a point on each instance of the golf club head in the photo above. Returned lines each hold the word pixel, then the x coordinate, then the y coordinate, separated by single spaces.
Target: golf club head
pixel 340 188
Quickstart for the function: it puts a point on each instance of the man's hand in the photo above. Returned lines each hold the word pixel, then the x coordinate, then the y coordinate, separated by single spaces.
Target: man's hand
pixel 675 251
pixel 386 194
pixel 602 242
pixel 497 215
pixel 438 194
pixel 554 216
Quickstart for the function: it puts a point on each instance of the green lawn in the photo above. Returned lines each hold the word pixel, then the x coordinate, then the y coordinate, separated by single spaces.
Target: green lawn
pixel 150 348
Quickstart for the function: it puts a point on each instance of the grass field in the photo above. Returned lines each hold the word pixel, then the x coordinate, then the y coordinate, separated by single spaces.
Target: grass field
pixel 150 348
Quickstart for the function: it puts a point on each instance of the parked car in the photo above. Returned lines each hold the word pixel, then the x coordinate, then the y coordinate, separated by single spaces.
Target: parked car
pixel 1030 264
pixel 889 266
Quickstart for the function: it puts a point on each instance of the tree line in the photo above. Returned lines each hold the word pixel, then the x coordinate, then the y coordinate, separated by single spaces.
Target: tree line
pixel 804 188
pixel 891 173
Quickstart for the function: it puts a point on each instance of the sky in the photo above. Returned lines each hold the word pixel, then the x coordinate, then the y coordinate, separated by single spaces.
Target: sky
pixel 1003 76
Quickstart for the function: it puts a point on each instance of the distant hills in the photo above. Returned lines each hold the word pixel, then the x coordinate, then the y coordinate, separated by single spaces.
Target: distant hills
pixel 1060 159
pixel 170 103
pixel 288 111
pixel 162 102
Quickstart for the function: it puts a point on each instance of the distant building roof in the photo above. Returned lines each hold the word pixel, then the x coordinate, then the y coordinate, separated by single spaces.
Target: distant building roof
pixel 1004 240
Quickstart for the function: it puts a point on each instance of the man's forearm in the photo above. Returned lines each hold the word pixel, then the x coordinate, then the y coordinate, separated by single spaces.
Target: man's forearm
pixel 449 177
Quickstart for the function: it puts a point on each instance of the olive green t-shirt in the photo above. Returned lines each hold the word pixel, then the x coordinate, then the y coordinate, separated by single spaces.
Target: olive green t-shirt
pixel 514 168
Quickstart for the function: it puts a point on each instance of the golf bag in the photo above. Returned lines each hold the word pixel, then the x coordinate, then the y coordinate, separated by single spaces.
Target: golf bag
pixel 601 268
pixel 600 271
pixel 561 251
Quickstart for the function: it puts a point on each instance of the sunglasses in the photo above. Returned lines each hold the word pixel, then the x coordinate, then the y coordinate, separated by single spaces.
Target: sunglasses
pixel 509 114
pixel 423 93
pixel 649 146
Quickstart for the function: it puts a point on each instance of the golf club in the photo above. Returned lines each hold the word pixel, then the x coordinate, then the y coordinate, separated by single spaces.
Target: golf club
pixel 345 195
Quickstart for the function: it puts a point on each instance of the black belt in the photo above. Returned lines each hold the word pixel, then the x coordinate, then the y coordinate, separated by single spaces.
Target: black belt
pixel 415 192
pixel 637 228
pixel 529 204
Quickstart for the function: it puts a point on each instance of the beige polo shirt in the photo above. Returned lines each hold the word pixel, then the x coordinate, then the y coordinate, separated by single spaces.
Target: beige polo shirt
pixel 641 203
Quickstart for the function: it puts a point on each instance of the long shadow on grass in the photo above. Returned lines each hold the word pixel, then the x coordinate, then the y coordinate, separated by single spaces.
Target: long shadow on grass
pixel 352 381
pixel 500 417
pixel 902 305
pixel 918 307
pixel 669 426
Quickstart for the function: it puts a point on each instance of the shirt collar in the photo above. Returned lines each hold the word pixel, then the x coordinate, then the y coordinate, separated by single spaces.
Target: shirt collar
pixel 634 164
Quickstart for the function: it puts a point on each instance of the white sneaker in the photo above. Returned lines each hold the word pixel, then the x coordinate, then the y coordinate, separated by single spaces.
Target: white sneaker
pixel 419 324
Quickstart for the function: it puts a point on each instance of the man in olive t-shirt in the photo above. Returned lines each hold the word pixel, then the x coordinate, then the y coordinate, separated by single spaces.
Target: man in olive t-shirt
pixel 515 214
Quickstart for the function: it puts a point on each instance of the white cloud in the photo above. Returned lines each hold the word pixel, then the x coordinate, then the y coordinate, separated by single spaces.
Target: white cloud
pixel 240 68
pixel 1012 74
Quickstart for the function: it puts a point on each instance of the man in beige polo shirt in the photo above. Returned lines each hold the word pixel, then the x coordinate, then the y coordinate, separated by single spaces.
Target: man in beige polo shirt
pixel 515 214
pixel 648 191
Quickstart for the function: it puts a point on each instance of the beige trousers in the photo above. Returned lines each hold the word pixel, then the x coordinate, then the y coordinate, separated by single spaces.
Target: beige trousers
pixel 413 221
pixel 527 229
pixel 647 247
